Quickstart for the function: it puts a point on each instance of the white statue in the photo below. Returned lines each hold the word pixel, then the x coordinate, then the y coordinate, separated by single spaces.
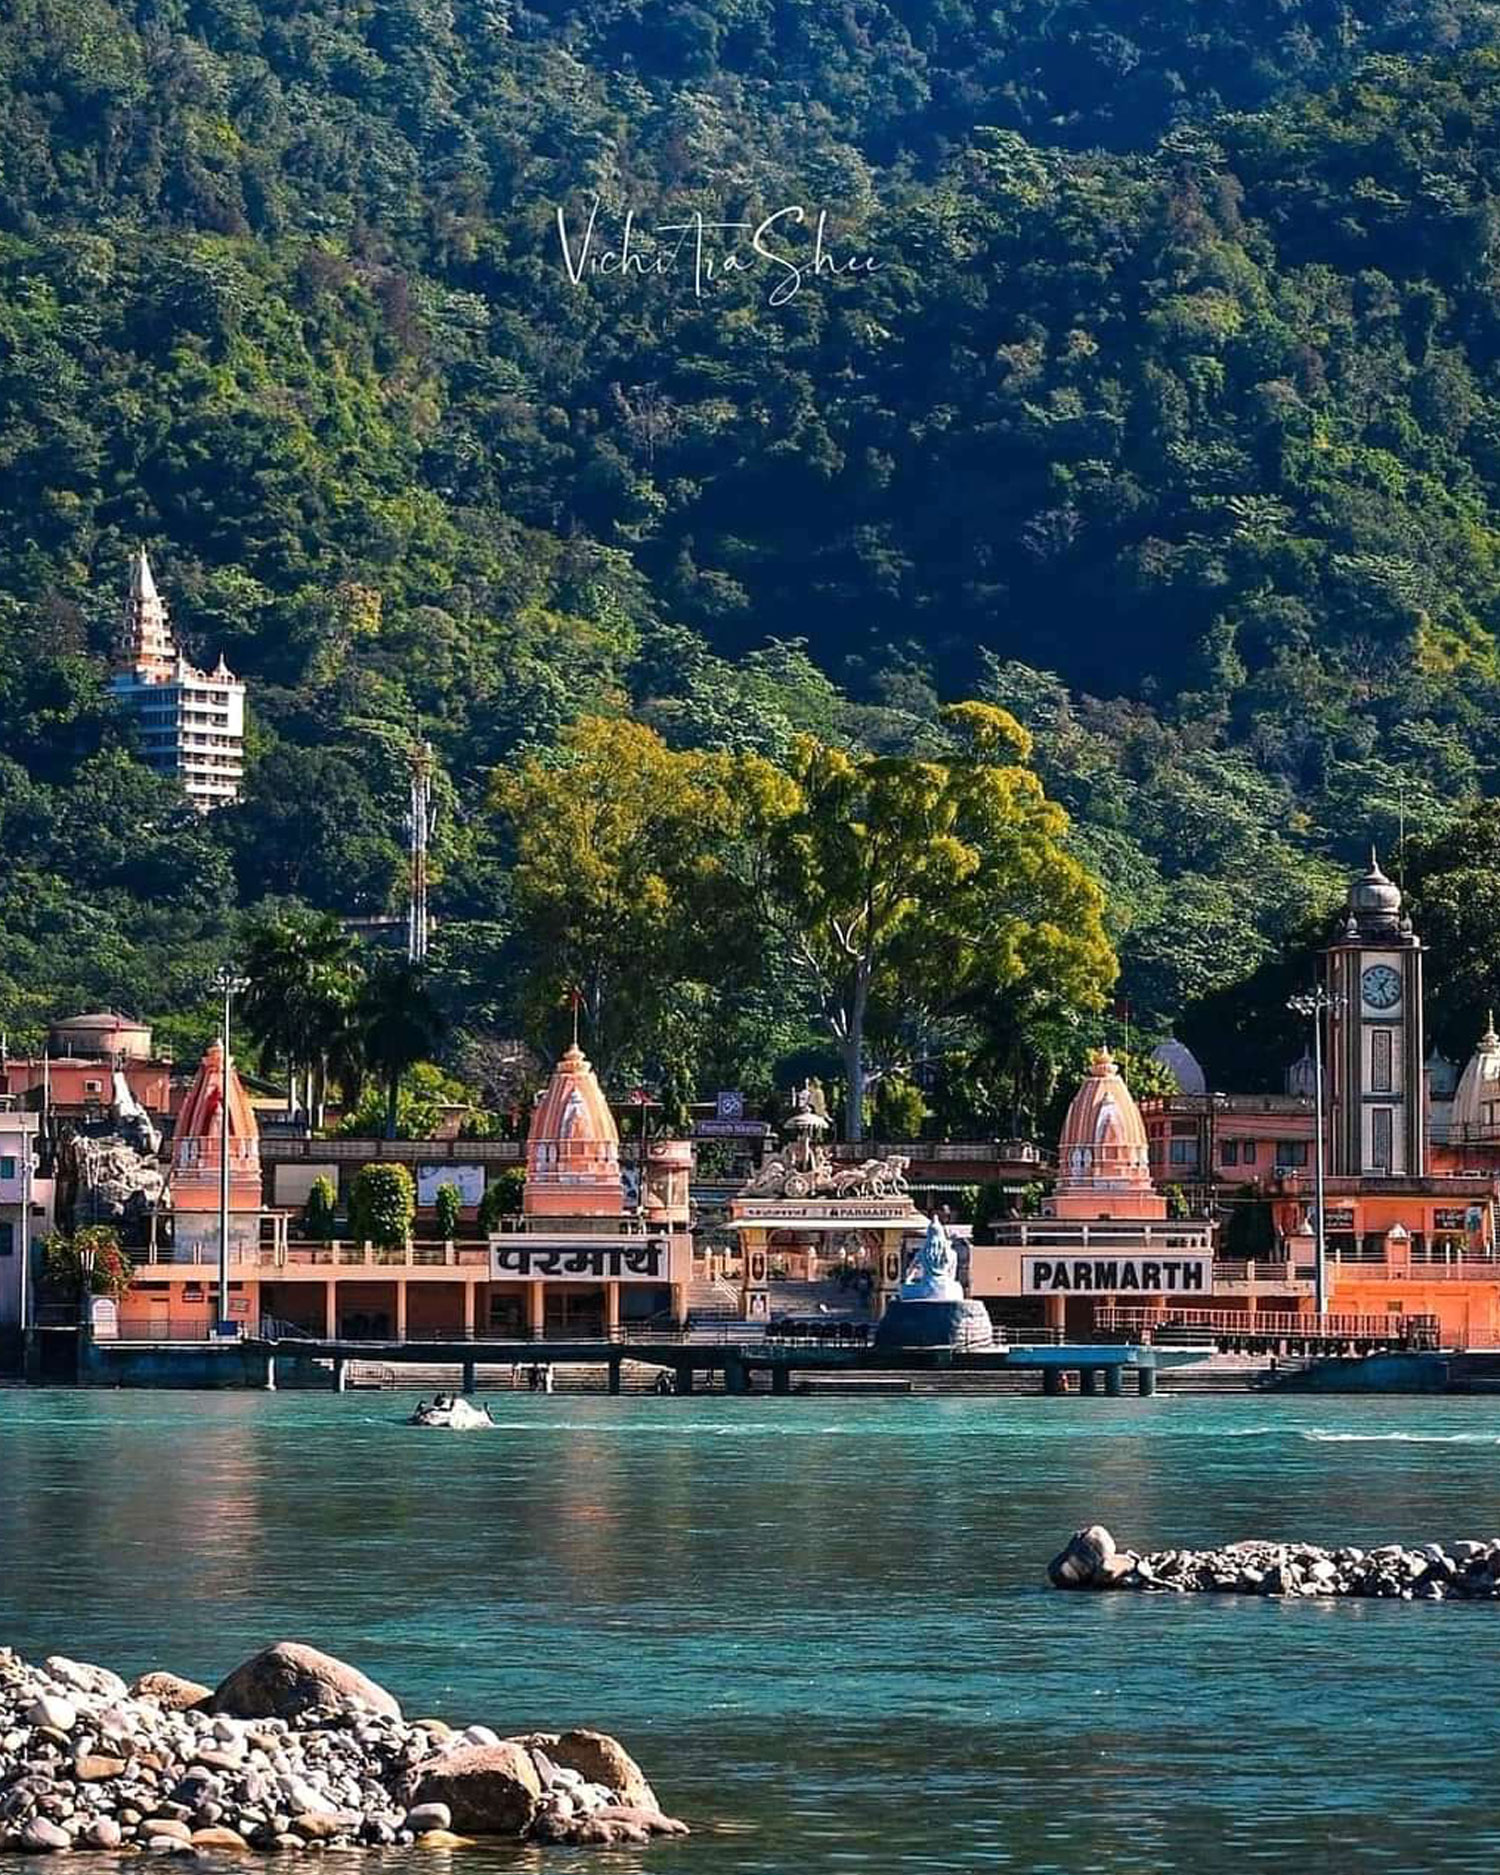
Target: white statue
pixel 932 1274
pixel 132 1122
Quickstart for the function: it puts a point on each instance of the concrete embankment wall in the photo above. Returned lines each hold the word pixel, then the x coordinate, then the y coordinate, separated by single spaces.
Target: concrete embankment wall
pixel 233 1364
pixel 1375 1373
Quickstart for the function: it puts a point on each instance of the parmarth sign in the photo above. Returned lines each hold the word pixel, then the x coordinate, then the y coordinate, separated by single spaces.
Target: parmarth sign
pixel 1109 1276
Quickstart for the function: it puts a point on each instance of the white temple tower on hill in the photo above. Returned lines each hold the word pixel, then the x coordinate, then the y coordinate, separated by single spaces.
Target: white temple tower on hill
pixel 191 723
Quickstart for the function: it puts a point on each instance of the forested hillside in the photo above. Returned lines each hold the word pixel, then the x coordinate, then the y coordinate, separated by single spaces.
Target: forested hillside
pixel 1168 419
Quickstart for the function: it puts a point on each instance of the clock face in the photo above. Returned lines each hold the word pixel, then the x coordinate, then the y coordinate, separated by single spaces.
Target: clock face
pixel 1381 986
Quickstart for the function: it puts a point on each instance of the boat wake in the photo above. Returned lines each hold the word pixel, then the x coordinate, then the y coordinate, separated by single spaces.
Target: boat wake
pixel 1402 1438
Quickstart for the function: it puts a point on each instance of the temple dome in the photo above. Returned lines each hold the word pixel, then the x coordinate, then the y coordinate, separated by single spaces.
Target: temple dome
pixel 573 1147
pixel 1442 1075
pixel 1182 1064
pixel 1103 1140
pixel 1375 902
pixel 1476 1104
pixel 1301 1077
pixel 198 1133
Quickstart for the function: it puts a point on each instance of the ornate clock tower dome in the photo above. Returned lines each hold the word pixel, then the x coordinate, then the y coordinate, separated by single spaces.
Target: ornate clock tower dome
pixel 1375 1047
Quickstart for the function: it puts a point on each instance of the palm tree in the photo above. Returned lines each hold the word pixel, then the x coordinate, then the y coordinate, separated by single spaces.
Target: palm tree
pixel 299 1002
pixel 400 1023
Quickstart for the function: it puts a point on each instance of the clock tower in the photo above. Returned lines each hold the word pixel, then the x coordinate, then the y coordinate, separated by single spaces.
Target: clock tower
pixel 1373 970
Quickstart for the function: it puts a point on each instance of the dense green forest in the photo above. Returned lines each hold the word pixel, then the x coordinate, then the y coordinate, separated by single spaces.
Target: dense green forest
pixel 1168 420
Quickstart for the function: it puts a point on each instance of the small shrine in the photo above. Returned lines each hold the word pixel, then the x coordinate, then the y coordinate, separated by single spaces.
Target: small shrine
pixel 197 1149
pixel 804 1213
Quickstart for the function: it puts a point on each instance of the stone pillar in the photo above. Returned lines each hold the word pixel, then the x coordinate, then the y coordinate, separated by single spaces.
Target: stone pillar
pixel 755 1296
pixel 1055 1312
pixel 1145 1381
pixel 684 1378
pixel 470 1293
pixel 680 1304
pixel 614 1373
pixel 470 1377
pixel 781 1378
pixel 736 1378
pixel 889 1270
pixel 338 1374
pixel 331 1309
pixel 1088 1380
pixel 1114 1380
pixel 611 1309
pixel 1052 1382
pixel 401 1311
pixel 536 1310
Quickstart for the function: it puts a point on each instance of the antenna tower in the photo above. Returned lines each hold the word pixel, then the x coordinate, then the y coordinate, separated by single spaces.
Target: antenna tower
pixel 419 827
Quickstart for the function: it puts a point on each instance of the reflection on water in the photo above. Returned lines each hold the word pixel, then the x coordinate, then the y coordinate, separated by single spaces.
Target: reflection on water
pixel 821 1624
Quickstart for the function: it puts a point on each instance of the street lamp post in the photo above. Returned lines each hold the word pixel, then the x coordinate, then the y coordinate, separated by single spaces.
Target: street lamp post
pixel 227 984
pixel 1315 1004
pixel 88 1254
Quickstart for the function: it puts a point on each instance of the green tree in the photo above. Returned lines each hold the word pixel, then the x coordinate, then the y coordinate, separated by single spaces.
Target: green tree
pixel 299 1003
pixel 1455 906
pixel 382 1206
pixel 502 1198
pixel 910 888
pixel 634 872
pixel 319 1213
pixel 897 1109
pixel 64 1258
pixel 400 1024
pixel 446 1206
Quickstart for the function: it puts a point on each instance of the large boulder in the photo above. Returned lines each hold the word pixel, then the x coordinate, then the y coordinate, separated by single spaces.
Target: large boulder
pixel 490 1790
pixel 170 1691
pixel 287 1679
pixel 1085 1556
pixel 599 1758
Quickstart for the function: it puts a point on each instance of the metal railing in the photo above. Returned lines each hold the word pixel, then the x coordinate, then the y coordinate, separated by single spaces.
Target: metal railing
pixel 1075 1234
pixel 1273 1324
pixel 1252 1270
pixel 280 1150
pixel 344 1253
pixel 726 1334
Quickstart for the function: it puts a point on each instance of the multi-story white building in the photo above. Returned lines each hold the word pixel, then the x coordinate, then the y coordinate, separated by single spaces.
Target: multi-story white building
pixel 25 1214
pixel 191 723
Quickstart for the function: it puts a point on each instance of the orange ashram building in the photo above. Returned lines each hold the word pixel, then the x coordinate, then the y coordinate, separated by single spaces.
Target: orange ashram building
pixel 578 1262
pixel 73 1077
pixel 1410 1196
pixel 175 1293
pixel 1104 1237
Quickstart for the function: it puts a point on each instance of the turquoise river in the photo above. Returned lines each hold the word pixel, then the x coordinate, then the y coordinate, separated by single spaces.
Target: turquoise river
pixel 823 1626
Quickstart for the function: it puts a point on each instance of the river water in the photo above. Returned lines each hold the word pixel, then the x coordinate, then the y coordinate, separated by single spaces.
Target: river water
pixel 822 1626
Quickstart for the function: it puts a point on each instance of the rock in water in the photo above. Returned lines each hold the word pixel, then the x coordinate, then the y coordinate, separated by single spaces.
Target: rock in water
pixel 1086 1554
pixel 425 1816
pixel 219 1838
pixel 46 1837
pixel 489 1789
pixel 171 1692
pixel 288 1679
pixel 599 1758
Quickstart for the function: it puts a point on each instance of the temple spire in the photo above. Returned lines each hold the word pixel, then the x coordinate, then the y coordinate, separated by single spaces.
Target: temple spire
pixel 146 642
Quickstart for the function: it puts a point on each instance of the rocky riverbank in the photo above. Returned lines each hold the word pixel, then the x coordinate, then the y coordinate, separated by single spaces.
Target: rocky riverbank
pixel 293 1750
pixel 1465 1571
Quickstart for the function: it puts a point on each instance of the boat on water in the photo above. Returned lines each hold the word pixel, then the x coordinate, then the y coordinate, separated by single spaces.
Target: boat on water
pixel 452 1412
